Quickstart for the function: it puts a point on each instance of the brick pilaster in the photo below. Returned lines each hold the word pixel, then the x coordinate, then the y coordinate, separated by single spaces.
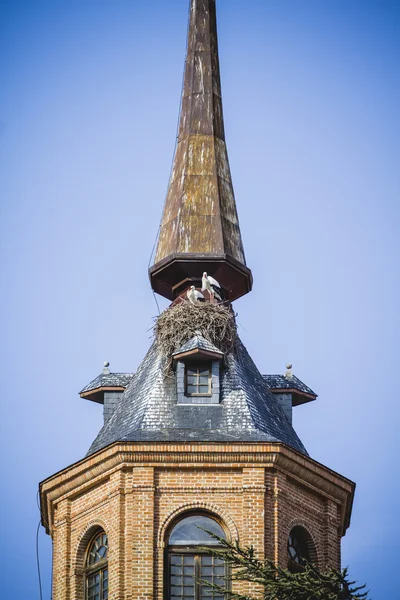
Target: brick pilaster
pixel 279 510
pixel 254 513
pixel 331 535
pixel 143 534
pixel 116 535
pixel 62 551
pixel 269 517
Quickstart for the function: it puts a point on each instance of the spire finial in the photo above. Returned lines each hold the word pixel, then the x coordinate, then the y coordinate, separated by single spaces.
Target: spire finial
pixel 200 228
pixel 106 370
pixel 289 374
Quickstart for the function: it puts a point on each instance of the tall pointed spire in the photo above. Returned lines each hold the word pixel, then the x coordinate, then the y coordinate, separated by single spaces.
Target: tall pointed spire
pixel 200 228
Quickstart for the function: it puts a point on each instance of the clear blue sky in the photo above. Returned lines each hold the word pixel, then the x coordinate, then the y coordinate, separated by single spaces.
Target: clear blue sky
pixel 88 111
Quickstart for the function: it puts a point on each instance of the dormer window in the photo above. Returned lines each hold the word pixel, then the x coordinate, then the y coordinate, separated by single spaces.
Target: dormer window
pixel 198 380
pixel 197 371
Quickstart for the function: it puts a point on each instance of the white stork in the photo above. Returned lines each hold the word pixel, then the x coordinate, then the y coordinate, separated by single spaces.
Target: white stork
pixel 212 286
pixel 194 296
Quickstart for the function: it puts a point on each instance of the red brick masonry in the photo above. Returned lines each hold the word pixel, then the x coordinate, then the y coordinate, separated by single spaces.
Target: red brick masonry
pixel 134 491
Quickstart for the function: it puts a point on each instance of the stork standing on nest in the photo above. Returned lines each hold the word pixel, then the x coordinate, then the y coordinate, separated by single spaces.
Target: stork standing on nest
pixel 194 296
pixel 212 286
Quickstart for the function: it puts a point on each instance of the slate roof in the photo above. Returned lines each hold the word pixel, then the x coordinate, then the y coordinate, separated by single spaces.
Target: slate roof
pixel 148 409
pixel 198 342
pixel 281 382
pixel 108 380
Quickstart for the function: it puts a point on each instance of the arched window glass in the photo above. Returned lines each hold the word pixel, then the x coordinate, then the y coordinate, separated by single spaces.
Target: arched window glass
pixel 187 564
pixel 300 548
pixel 96 573
pixel 190 531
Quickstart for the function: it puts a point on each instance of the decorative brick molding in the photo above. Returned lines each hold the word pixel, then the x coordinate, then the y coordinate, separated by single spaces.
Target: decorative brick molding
pixel 78 555
pixel 86 535
pixel 81 476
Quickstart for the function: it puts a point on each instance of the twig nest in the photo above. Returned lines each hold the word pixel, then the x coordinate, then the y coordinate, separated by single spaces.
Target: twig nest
pixel 181 322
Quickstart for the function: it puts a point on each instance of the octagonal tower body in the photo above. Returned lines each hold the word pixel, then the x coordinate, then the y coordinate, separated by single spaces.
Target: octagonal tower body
pixel 135 492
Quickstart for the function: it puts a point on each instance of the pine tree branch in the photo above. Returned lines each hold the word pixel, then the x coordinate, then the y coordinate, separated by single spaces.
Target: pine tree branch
pixel 280 584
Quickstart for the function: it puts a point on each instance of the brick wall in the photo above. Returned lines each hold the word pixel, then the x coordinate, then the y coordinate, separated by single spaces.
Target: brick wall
pixel 136 501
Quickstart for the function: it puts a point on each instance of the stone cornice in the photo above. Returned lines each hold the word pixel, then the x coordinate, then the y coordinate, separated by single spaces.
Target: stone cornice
pixel 90 471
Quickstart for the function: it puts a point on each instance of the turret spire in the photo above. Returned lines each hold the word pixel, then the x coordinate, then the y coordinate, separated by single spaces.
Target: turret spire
pixel 200 228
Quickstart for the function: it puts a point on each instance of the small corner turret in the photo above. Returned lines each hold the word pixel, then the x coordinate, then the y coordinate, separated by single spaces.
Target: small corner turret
pixel 289 390
pixel 200 227
pixel 107 389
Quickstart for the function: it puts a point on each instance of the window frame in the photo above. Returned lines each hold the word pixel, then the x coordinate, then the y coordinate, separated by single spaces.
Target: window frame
pixel 99 567
pixel 198 366
pixel 197 555
pixel 193 550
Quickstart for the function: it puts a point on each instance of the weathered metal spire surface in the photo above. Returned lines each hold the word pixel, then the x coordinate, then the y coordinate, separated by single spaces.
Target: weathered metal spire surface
pixel 200 228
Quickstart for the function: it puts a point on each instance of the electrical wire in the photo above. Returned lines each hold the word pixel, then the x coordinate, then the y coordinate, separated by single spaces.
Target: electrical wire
pixel 38 561
pixel 173 156
pixel 156 301
pixel 41 521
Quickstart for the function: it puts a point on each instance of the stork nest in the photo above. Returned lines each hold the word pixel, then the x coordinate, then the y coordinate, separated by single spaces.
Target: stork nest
pixel 181 322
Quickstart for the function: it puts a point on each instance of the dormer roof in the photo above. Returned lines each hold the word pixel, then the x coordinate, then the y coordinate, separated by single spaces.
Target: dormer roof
pixel 300 391
pixel 198 347
pixel 111 382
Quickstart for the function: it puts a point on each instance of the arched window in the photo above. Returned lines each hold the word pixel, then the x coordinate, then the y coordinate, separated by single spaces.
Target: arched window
pixel 96 568
pixel 300 549
pixel 186 564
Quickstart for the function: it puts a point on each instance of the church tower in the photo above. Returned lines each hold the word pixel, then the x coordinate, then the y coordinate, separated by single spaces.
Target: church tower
pixel 197 436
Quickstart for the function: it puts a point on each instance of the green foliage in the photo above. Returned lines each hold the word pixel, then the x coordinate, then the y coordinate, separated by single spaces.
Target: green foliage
pixel 280 584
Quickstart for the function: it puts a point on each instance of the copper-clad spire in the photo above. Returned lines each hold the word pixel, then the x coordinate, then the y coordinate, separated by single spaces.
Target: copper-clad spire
pixel 200 229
